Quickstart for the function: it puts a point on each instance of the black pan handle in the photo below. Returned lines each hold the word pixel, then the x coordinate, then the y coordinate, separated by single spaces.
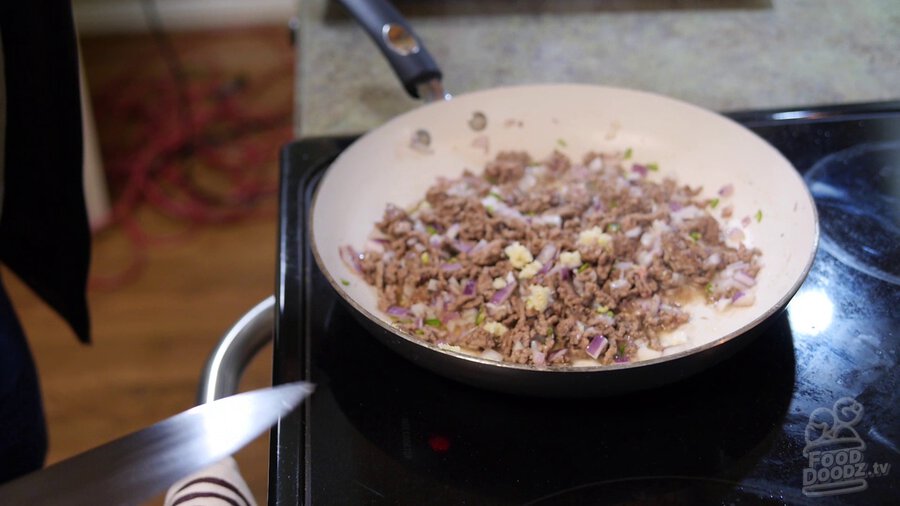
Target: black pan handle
pixel 401 46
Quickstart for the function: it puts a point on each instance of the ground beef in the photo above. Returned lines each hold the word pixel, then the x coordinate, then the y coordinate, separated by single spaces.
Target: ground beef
pixel 532 262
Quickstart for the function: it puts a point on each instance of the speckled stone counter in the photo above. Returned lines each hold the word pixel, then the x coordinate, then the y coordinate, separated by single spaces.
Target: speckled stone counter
pixel 724 55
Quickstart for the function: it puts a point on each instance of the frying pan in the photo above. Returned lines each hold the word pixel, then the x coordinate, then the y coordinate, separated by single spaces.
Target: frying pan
pixel 693 145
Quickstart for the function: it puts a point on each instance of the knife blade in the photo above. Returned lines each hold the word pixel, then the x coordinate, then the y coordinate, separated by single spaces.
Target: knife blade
pixel 135 467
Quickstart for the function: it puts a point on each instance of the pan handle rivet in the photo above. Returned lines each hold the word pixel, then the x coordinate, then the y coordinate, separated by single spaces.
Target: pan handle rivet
pixel 399 39
pixel 420 141
pixel 478 121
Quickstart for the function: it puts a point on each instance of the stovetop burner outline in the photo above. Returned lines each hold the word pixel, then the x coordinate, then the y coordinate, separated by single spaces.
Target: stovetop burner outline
pixel 857 192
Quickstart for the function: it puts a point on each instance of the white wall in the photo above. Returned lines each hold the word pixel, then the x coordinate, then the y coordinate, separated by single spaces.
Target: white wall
pixel 110 16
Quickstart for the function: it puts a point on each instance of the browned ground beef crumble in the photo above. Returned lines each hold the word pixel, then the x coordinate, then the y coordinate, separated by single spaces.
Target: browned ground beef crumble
pixel 610 253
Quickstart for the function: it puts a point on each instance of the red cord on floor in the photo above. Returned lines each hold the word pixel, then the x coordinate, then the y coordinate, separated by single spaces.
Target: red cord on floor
pixel 201 126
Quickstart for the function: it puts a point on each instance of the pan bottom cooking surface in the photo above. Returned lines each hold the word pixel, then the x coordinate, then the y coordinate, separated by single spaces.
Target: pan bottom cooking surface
pixel 805 414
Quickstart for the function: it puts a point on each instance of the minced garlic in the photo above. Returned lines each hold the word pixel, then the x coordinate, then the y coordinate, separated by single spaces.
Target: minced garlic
pixel 538 299
pixel 570 259
pixel 518 255
pixel 594 237
pixel 495 328
pixel 530 270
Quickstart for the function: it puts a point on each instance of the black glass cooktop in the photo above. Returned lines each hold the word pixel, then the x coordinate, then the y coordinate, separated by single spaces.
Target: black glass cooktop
pixel 806 414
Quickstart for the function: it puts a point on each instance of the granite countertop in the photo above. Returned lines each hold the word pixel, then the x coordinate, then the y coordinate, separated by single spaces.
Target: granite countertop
pixel 723 54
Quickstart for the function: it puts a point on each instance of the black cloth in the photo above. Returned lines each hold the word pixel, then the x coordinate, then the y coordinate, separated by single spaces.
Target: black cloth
pixel 23 435
pixel 44 232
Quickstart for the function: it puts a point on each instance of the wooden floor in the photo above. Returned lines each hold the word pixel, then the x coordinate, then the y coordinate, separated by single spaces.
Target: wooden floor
pixel 152 335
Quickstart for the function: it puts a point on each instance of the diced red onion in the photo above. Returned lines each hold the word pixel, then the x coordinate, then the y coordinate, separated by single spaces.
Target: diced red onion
pixel 420 322
pixel 639 169
pixel 633 233
pixel 746 221
pixel 579 172
pixel 373 245
pixel 492 355
pixel 565 274
pixel 478 247
pixel 557 355
pixel 495 311
pixel 398 311
pixel 462 246
pixel 713 260
pixel 645 258
pixel 509 212
pixel 537 356
pixel 744 279
pixel 547 219
pixel 557 268
pixel 470 287
pixel 650 306
pixel 546 268
pixel 621 359
pixel 666 308
pixel 736 266
pixel 450 298
pixel 451 267
pixel 742 299
pixel 547 253
pixel 623 266
pixel 598 345
pixel 727 190
pixel 503 293
pixel 578 285
pixel 351 258
pixel 675 206
pixel 619 283
pixel 608 320
pixel 735 234
pixel 452 231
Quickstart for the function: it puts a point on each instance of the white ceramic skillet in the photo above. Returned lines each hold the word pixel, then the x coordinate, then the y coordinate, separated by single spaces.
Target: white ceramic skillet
pixel 691 144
